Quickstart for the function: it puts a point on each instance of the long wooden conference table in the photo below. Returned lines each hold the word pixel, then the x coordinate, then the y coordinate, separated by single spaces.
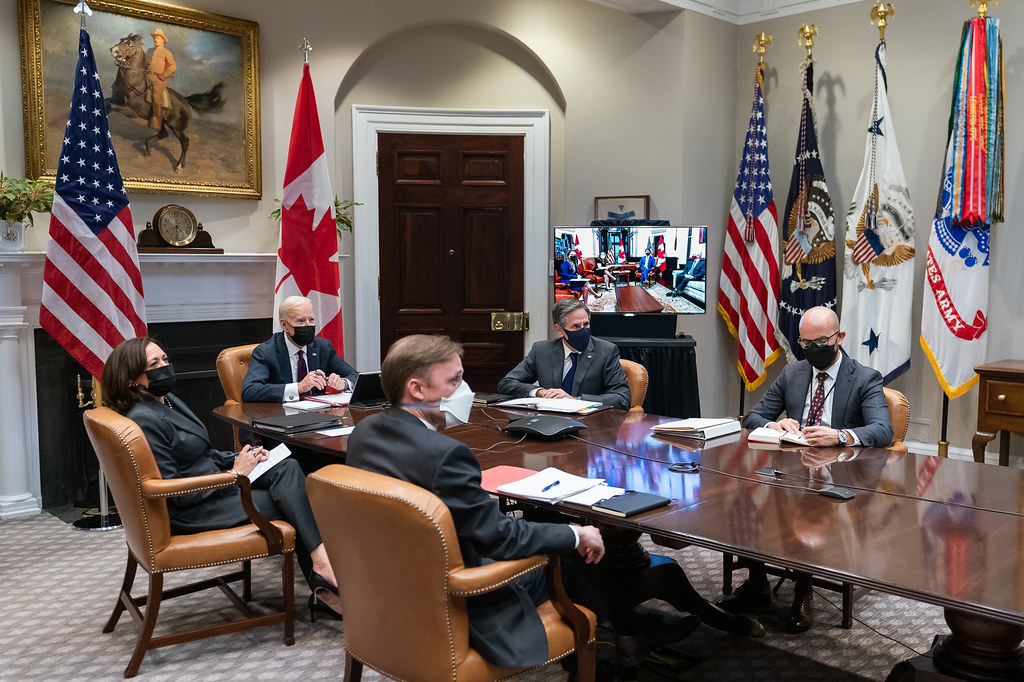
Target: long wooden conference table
pixel 940 531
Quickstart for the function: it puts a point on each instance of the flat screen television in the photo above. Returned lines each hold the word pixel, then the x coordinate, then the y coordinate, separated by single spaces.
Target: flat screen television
pixel 606 267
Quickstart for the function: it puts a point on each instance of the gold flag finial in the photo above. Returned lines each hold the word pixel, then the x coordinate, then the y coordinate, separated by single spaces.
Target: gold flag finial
pixel 983 6
pixel 762 41
pixel 879 13
pixel 806 37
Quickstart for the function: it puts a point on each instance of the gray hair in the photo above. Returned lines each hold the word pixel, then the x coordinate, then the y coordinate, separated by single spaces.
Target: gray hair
pixel 289 303
pixel 565 306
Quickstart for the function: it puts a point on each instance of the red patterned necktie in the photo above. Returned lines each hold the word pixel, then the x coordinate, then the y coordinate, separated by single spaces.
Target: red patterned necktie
pixel 817 401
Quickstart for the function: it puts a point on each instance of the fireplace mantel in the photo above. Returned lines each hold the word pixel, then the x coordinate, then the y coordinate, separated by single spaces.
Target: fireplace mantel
pixel 178 288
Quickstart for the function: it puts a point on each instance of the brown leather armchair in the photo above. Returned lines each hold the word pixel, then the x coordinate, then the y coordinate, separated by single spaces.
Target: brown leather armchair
pixel 232 365
pixel 636 375
pixel 403 585
pixel 140 495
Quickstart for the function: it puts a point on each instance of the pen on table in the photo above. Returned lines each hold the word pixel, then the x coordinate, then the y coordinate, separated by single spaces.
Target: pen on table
pixel 549 486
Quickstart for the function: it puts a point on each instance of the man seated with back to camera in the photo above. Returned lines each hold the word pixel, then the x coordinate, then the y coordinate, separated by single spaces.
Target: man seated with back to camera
pixel 295 361
pixel 422 377
pixel 574 365
pixel 832 400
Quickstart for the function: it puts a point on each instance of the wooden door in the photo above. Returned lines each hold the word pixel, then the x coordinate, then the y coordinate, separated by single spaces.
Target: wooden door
pixel 451 244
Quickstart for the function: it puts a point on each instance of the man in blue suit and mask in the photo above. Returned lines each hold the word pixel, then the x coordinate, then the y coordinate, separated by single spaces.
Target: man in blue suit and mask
pixel 574 365
pixel 295 361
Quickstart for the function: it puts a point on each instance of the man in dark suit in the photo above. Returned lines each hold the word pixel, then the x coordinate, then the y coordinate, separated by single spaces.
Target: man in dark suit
pixel 695 269
pixel 295 362
pixel 575 365
pixel 422 377
pixel 647 265
pixel 830 399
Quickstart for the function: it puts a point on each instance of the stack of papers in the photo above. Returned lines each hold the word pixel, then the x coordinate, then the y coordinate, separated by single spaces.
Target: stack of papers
pixel 764 434
pixel 563 405
pixel 695 427
pixel 550 485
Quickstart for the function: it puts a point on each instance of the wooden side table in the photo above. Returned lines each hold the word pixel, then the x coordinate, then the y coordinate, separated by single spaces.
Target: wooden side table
pixel 1000 406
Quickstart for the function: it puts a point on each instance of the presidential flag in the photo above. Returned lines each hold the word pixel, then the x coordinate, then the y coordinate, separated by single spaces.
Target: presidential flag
pixel 808 270
pixel 92 287
pixel 748 290
pixel 307 253
pixel 954 320
pixel 878 273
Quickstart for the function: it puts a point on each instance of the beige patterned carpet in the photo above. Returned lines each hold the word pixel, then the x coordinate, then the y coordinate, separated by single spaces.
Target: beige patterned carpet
pixel 57 587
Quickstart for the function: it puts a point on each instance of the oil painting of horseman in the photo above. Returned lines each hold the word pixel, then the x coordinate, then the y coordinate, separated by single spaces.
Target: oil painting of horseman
pixel 182 98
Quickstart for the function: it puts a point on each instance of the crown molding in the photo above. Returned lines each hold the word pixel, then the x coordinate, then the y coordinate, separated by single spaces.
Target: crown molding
pixel 737 12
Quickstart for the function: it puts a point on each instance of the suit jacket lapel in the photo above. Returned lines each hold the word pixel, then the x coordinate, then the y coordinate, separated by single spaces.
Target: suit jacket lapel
pixel 583 363
pixel 801 384
pixel 186 419
pixel 844 386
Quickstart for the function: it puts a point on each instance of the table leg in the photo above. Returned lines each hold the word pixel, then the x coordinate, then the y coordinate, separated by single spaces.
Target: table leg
pixel 979 648
pixel 978 443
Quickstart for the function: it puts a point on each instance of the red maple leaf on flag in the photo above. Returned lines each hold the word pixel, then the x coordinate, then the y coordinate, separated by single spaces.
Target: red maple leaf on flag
pixel 309 261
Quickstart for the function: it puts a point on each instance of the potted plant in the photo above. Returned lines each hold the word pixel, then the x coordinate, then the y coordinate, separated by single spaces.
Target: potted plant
pixel 18 200
pixel 342 214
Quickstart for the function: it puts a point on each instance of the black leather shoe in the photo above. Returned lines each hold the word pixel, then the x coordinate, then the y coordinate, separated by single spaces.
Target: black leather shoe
pixel 633 649
pixel 751 595
pixel 316 606
pixel 801 614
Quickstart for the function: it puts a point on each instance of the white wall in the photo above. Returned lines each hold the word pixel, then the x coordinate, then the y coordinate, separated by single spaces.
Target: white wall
pixel 645 104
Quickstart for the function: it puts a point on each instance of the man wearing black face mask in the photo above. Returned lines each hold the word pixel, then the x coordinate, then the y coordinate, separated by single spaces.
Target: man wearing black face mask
pixel 831 399
pixel 295 362
pixel 574 365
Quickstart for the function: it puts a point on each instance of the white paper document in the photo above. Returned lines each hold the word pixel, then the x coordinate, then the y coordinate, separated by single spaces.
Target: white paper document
pixel 339 431
pixel 276 455
pixel 307 405
pixel 549 485
pixel 565 405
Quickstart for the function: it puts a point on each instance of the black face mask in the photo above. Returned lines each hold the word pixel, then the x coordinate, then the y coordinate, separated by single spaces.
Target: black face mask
pixel 304 336
pixel 161 380
pixel 821 357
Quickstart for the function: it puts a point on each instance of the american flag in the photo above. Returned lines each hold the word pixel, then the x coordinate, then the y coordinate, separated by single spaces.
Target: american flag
pixel 748 291
pixel 92 287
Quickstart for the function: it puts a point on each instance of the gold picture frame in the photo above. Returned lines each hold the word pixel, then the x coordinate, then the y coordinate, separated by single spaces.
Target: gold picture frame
pixel 222 157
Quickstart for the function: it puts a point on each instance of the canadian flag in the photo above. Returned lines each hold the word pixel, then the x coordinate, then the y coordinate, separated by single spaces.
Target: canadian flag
pixel 307 253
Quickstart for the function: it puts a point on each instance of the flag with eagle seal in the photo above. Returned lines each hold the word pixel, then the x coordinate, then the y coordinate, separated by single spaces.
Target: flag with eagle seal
pixel 878 270
pixel 809 253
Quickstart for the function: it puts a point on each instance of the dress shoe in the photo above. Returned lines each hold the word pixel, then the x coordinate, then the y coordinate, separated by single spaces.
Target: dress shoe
pixel 317 606
pixel 633 649
pixel 801 614
pixel 751 595
pixel 317 581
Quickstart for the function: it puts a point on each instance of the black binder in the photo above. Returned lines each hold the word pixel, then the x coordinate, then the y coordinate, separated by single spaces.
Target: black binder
pixel 297 423
pixel 629 503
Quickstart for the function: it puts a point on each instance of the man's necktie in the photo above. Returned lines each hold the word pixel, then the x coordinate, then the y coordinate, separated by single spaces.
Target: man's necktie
pixel 817 401
pixel 300 367
pixel 571 374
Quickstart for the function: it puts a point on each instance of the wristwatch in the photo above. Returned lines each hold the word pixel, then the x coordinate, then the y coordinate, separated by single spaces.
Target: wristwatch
pixel 843 438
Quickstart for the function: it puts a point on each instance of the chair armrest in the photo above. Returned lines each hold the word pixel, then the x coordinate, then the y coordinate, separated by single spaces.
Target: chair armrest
pixel 570 613
pixel 467 582
pixel 176 487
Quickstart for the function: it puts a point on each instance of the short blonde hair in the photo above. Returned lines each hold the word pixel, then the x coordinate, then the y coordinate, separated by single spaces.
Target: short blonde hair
pixel 413 356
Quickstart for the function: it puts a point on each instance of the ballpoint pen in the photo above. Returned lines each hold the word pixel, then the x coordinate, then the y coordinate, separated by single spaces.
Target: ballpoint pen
pixel 549 486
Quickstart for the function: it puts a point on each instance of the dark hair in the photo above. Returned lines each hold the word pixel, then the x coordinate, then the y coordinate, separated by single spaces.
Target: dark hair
pixel 123 367
pixel 563 307
pixel 413 356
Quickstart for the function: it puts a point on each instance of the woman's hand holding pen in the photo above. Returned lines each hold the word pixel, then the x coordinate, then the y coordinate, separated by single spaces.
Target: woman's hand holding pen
pixel 247 459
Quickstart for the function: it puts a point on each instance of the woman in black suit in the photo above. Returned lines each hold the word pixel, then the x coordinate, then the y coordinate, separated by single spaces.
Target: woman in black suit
pixel 137 380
